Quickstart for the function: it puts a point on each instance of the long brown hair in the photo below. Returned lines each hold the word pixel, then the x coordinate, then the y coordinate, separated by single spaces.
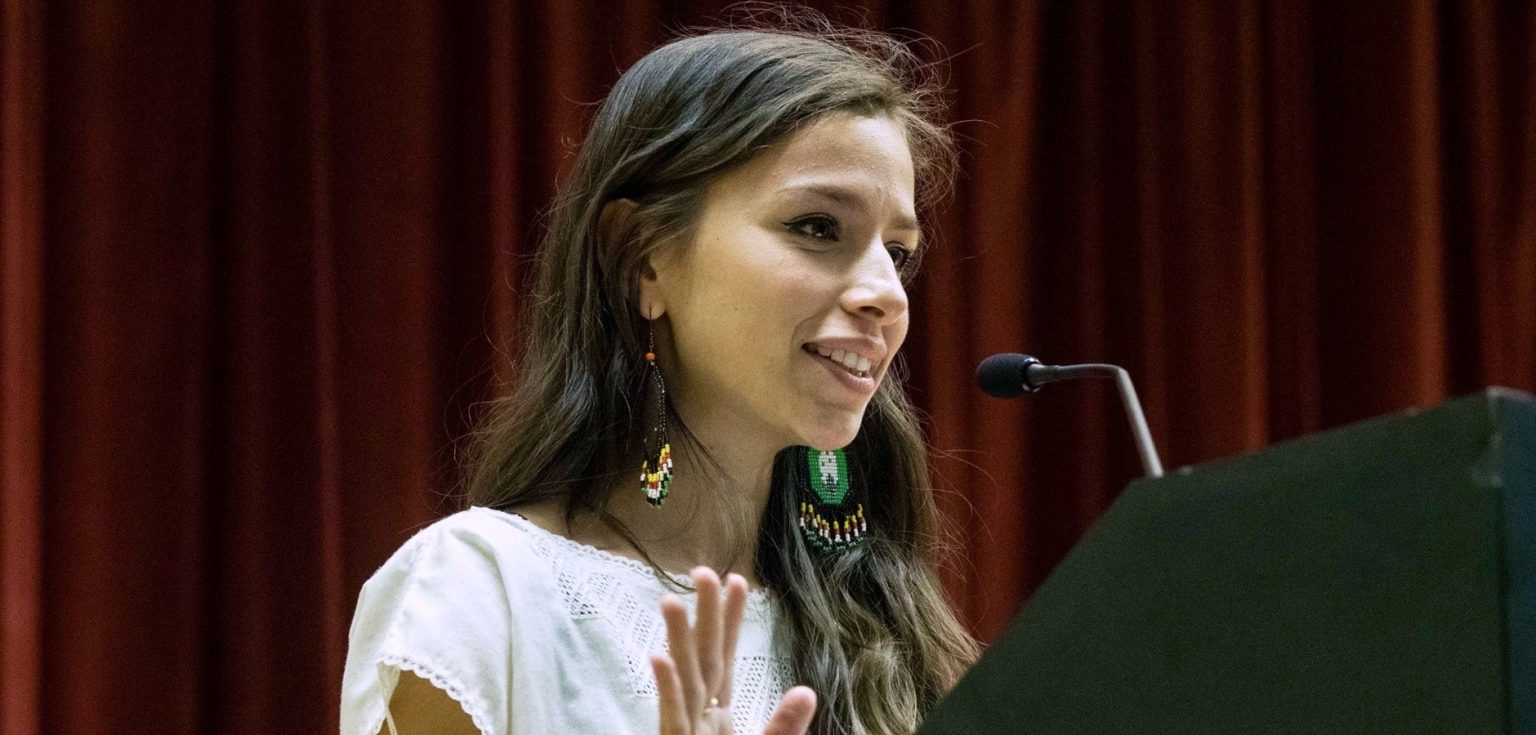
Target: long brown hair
pixel 871 629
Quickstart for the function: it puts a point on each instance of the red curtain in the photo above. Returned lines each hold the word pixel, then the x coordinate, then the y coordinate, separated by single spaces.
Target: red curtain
pixel 260 261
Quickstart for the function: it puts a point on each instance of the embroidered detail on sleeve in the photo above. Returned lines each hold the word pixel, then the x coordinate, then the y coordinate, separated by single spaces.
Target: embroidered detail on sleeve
pixel 472 705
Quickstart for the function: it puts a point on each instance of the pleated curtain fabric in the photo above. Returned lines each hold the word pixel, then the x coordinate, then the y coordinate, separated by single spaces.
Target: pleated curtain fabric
pixel 259 263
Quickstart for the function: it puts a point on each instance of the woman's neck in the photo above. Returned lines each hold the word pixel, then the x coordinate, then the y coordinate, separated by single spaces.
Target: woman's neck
pixel 712 515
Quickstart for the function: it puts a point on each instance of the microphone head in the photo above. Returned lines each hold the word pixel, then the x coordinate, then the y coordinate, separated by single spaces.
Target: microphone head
pixel 1005 375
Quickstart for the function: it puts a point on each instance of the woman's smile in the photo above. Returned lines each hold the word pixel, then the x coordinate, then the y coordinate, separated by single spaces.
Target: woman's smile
pixel 835 362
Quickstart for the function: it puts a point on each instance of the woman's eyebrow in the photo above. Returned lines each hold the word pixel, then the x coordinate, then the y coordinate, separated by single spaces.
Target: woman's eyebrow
pixel 847 197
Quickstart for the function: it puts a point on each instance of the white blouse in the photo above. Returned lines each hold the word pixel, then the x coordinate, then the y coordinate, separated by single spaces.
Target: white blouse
pixel 532 632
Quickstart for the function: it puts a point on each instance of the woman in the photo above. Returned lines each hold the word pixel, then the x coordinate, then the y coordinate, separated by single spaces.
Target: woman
pixel 725 267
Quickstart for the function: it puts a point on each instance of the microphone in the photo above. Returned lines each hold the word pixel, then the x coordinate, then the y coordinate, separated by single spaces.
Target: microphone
pixel 1011 374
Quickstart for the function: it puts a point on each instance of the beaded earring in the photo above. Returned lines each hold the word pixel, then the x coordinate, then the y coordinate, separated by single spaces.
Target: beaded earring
pixel 831 518
pixel 656 468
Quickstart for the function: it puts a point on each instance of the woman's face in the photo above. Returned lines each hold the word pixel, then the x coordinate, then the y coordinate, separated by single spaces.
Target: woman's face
pixel 786 309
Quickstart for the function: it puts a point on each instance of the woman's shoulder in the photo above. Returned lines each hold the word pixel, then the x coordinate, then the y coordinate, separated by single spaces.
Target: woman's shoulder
pixel 473 551
pixel 494 531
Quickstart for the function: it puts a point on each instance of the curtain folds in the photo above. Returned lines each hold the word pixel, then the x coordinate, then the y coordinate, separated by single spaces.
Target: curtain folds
pixel 21 365
pixel 259 264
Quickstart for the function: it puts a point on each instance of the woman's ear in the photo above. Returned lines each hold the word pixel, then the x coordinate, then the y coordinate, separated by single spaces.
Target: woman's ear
pixel 618 223
pixel 652 304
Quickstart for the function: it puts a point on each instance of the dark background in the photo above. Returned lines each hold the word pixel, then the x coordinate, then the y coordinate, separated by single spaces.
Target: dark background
pixel 261 259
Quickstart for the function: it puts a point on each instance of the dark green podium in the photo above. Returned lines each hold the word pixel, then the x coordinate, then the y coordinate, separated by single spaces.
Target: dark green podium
pixel 1379 578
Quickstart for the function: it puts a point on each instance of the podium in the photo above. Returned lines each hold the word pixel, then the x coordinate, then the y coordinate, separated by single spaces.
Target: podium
pixel 1378 578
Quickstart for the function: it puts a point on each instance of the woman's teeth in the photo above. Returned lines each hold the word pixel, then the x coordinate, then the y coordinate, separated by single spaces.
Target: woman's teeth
pixel 851 362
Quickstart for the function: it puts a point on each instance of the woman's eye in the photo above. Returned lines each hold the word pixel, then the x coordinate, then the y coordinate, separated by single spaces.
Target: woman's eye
pixel 822 227
pixel 818 227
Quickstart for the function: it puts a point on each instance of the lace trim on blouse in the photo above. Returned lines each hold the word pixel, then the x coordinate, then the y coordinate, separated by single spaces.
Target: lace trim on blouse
pixel 602 584
pixel 759 602
pixel 472 706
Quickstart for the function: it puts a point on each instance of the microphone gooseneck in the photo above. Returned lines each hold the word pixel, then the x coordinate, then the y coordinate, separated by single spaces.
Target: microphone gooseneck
pixel 1011 374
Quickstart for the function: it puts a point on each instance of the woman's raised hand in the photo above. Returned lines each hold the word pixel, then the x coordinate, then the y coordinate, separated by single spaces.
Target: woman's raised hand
pixel 694 682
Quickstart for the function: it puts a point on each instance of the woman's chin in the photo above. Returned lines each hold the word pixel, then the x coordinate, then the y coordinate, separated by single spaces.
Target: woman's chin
pixel 827 438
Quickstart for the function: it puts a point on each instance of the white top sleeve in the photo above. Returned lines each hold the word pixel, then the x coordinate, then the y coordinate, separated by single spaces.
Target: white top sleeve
pixel 437 608
pixel 531 632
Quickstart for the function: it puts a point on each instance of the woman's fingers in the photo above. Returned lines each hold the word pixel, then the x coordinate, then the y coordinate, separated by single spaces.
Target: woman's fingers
pixel 708 629
pixel 735 609
pixel 684 656
pixel 669 689
pixel 794 714
pixel 701 661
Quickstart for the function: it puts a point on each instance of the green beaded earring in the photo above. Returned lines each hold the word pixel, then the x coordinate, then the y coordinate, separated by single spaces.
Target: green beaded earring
pixel 831 518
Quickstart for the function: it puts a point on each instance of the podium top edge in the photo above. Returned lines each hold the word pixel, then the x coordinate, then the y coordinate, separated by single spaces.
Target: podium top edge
pixel 1485 403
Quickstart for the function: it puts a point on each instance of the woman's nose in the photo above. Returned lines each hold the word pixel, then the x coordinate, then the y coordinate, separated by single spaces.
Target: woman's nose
pixel 877 291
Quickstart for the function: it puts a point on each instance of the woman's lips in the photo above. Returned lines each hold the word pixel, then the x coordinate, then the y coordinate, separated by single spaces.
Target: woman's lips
pixel 856 383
